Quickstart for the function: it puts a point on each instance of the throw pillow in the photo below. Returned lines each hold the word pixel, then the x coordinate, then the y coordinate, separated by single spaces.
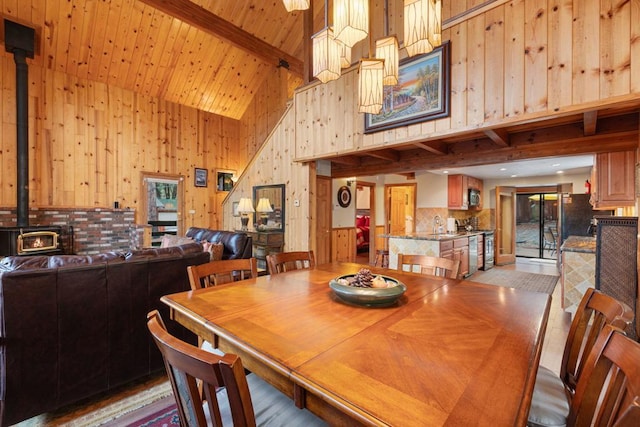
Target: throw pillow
pixel 215 250
pixel 169 240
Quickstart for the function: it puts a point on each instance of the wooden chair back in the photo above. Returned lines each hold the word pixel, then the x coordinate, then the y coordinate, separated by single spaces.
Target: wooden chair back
pixel 433 266
pixel 224 271
pixel 287 261
pixel 608 392
pixel 186 365
pixel 596 310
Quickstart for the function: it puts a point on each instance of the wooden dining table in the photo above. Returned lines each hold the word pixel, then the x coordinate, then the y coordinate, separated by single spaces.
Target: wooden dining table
pixel 448 352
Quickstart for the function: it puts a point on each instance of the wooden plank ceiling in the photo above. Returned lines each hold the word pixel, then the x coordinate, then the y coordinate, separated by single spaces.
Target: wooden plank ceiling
pixel 214 58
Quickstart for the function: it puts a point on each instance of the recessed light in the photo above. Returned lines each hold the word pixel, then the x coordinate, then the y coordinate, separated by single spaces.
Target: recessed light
pixel 503 169
pixel 514 176
pixel 560 172
pixel 445 171
pixel 555 165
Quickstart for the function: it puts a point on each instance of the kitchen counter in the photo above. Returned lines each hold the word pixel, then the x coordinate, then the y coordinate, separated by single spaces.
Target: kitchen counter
pixel 579 244
pixel 578 270
pixel 432 236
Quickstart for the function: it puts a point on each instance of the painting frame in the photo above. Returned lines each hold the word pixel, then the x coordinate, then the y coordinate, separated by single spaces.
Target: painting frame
pixel 440 57
pixel 200 177
pixel 225 179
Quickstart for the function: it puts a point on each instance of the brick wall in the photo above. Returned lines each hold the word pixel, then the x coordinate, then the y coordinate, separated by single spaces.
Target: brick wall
pixel 94 230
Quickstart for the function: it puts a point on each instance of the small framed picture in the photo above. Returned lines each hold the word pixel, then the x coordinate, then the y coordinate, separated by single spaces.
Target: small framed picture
pixel 235 206
pixel 200 177
pixel 224 180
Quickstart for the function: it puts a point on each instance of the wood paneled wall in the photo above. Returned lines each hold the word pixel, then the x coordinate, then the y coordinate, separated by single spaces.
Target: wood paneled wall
pixel 273 164
pixel 89 142
pixel 518 61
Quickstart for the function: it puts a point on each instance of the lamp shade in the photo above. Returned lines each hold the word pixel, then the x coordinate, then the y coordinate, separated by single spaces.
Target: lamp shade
pixel 264 205
pixel 387 49
pixel 422 25
pixel 345 54
pixel 326 56
pixel 292 5
pixel 350 20
pixel 370 86
pixel 245 205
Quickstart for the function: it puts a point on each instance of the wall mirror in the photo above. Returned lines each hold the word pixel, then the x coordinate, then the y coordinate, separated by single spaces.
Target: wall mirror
pixel 268 201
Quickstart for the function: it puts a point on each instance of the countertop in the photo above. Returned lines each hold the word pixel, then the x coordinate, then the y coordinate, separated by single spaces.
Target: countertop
pixel 579 244
pixel 431 236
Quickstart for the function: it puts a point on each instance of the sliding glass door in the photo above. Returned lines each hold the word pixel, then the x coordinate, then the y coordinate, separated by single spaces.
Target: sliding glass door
pixel 536 218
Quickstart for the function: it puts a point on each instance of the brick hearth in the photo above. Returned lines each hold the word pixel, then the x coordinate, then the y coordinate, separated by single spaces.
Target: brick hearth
pixel 95 230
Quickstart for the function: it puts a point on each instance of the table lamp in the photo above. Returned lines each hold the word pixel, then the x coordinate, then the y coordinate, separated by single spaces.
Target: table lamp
pixel 245 207
pixel 264 207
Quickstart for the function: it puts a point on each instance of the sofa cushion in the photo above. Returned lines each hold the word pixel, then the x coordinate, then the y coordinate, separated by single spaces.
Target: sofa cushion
pixel 215 250
pixel 169 240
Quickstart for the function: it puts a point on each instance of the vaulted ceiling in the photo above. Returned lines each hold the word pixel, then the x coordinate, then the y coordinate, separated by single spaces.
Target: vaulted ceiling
pixel 208 54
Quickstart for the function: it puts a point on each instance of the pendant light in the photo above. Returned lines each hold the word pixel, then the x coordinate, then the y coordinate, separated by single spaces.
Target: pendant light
pixel 387 49
pixel 345 54
pixel 370 85
pixel 351 20
pixel 326 52
pixel 422 25
pixel 292 5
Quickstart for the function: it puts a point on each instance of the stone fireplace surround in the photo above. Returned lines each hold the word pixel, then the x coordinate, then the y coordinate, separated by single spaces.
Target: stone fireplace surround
pixel 95 230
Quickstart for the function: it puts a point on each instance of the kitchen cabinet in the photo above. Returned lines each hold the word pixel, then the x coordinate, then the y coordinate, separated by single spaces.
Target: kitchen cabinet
pixel 446 249
pixel 461 252
pixel 458 187
pixel 613 180
pixel 265 243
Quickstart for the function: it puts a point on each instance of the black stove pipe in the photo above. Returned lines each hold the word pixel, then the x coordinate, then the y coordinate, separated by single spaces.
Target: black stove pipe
pixel 20 41
pixel 22 119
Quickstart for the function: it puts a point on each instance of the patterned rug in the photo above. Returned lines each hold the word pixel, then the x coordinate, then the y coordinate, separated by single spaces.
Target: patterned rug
pixel 516 279
pixel 162 413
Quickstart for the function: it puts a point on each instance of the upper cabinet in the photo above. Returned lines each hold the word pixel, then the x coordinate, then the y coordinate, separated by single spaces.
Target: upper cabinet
pixel 458 192
pixel 613 180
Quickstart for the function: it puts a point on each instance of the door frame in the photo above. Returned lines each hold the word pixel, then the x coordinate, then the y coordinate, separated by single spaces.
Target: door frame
pixel 372 216
pixel 387 204
pixel 144 178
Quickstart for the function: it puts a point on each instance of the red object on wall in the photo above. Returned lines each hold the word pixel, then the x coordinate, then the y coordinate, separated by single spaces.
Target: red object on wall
pixel 587 187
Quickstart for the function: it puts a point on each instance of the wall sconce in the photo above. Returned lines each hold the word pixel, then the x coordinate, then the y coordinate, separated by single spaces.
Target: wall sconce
pixel 245 208
pixel 264 208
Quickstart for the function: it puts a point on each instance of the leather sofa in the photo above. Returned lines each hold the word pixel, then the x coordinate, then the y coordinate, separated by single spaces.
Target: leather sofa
pixel 73 326
pixel 236 244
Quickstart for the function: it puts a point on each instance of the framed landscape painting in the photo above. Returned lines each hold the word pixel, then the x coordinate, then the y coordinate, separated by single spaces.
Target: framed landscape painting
pixel 422 92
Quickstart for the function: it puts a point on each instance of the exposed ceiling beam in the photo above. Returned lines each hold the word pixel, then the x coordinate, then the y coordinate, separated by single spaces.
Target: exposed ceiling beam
pixel 590 121
pixel 499 136
pixel 387 154
pixel 210 23
pixel 348 160
pixel 435 147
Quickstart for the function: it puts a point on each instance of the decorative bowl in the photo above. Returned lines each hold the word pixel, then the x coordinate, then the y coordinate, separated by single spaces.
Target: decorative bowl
pixel 370 297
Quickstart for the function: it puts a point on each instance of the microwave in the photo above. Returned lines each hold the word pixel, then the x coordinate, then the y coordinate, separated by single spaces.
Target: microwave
pixel 474 197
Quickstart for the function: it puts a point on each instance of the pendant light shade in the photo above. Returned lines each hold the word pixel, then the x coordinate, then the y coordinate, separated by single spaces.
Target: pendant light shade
pixel 292 5
pixel 370 86
pixel 350 20
pixel 387 49
pixel 345 54
pixel 422 25
pixel 326 56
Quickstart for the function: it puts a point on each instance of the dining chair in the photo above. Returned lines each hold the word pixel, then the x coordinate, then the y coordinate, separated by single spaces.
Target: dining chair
pixel 217 272
pixel 227 396
pixel 287 261
pixel 552 393
pixel 549 241
pixel 434 266
pixel 608 392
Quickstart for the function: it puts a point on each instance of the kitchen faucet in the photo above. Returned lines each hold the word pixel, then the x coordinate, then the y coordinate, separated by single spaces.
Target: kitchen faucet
pixel 437 224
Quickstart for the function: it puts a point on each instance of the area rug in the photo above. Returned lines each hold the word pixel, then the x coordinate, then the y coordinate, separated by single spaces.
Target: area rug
pixel 516 279
pixel 162 413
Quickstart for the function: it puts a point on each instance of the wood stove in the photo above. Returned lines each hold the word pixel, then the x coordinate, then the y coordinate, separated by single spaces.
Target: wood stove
pixel 34 240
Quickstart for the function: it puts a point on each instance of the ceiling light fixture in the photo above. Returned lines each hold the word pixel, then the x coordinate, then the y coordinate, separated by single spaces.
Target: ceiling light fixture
pixel 326 52
pixel 292 5
pixel 345 54
pixel 370 86
pixel 422 25
pixel 351 20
